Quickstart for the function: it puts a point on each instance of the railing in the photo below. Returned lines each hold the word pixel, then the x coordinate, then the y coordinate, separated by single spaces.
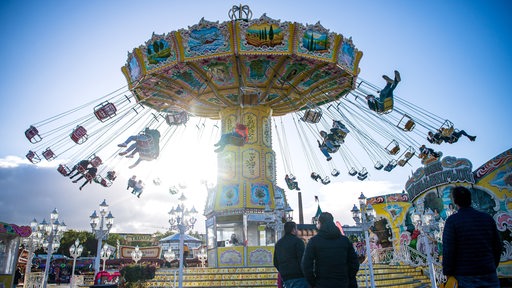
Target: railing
pixel 407 255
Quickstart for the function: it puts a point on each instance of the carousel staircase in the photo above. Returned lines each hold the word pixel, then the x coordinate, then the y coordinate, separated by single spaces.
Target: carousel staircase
pixel 266 277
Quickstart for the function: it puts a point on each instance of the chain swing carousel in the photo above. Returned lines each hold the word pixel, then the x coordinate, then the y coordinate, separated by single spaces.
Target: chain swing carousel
pixel 243 73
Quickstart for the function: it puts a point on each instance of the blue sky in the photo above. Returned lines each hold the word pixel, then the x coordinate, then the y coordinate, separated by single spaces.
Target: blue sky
pixel 454 57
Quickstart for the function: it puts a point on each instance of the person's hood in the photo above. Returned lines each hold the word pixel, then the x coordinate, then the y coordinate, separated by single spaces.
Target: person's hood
pixel 329 234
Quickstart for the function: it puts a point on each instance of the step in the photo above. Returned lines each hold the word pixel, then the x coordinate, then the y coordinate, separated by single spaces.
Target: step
pixel 262 277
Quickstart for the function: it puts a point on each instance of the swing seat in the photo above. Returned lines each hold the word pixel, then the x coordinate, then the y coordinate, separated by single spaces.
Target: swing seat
pixel 447 132
pixel 362 173
pixel 157 181
pixel 387 106
pixel 89 177
pixel 63 169
pixel 175 119
pixel 394 150
pixel 33 157
pixel 95 161
pixel 409 125
pixel 402 162
pixel 105 111
pixel 408 155
pixel 312 116
pixel 236 141
pixel 48 154
pixel 352 171
pixel 378 165
pixel 291 176
pixel 79 135
pixel 102 181
pixel 32 134
pixel 390 166
pixel 332 150
pixel 338 133
pixel 393 147
pixel 326 180
pixel 335 172
pixel 362 177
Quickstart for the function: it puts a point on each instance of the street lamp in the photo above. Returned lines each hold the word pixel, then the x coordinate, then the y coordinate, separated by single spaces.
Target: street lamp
pixel 75 251
pixel 101 232
pixel 364 217
pixel 105 254
pixel 52 233
pixel 182 219
pixel 31 243
pixel 424 220
pixel 136 254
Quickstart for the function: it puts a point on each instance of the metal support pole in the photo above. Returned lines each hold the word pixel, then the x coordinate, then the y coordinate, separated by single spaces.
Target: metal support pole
pixel 28 267
pixel 48 259
pixel 369 256
pixel 301 214
pixel 182 232
pixel 98 250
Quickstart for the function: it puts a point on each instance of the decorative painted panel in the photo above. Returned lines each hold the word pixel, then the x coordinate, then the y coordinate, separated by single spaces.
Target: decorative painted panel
pixel 229 197
pixel 348 56
pixel 264 35
pixel 251 163
pixel 270 166
pixel 260 256
pixel 205 38
pixel 159 51
pixel 250 120
pixel 266 134
pixel 227 165
pixel 315 41
pixel 231 256
pixel 260 195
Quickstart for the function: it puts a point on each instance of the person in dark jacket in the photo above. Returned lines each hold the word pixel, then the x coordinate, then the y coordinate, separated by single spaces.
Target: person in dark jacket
pixel 330 260
pixel 471 244
pixel 287 256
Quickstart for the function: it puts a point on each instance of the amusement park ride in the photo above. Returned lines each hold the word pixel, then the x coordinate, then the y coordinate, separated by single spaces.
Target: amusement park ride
pixel 250 74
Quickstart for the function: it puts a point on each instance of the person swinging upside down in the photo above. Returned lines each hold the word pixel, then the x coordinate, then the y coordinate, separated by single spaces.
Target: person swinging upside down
pixel 238 137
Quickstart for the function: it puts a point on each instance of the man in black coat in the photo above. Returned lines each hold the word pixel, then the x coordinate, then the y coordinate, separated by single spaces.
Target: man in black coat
pixel 330 260
pixel 287 256
pixel 471 244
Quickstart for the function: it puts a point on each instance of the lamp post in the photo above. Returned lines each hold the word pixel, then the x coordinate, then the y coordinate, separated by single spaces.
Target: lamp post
pixel 31 243
pixel 364 217
pixel 202 256
pixel 75 251
pixel 52 233
pixel 105 254
pixel 136 254
pixel 101 232
pixel 182 219
pixel 424 220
